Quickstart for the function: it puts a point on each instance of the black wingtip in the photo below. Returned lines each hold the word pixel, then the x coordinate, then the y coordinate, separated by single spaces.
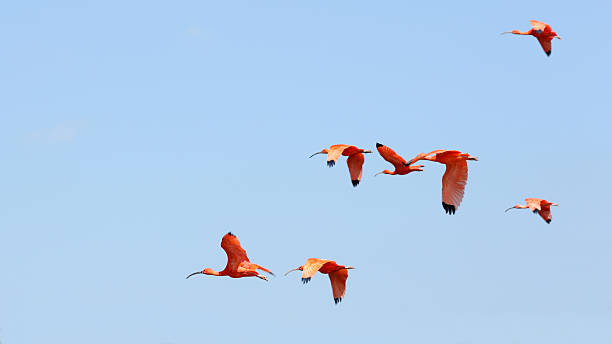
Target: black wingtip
pixel 330 163
pixel 548 52
pixel 548 221
pixel 337 300
pixel 305 280
pixel 230 233
pixel 355 183
pixel 449 208
pixel 378 145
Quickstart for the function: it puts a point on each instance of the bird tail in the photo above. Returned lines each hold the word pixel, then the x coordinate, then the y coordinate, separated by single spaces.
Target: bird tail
pixel 266 270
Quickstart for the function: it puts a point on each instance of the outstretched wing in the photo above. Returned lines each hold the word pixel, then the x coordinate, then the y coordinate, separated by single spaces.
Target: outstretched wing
pixel 338 283
pixel 311 267
pixel 421 156
pixel 545 213
pixel 333 153
pixel 453 185
pixel 355 164
pixel 546 44
pixel 540 27
pixel 390 155
pixel 235 253
pixel 533 204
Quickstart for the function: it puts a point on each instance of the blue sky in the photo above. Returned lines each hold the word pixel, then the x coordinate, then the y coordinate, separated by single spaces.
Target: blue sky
pixel 135 135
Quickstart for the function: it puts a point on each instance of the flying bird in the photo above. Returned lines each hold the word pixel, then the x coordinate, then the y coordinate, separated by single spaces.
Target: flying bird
pixel 238 264
pixel 542 31
pixel 337 274
pixel 537 206
pixel 455 177
pixel 354 161
pixel 401 166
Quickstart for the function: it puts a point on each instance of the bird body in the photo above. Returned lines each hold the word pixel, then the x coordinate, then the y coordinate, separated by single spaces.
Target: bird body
pixel 337 274
pixel 537 206
pixel 354 162
pixel 455 177
pixel 543 32
pixel 401 166
pixel 238 264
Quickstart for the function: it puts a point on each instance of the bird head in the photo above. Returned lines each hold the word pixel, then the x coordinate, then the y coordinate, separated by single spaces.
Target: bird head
pixel 321 152
pixel 517 206
pixel 207 271
pixel 384 172
pixel 296 269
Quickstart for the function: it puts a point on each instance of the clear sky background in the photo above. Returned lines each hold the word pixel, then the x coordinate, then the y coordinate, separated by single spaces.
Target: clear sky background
pixel 134 135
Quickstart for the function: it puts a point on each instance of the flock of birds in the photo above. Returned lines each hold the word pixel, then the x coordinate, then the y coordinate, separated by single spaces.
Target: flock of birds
pixel 453 187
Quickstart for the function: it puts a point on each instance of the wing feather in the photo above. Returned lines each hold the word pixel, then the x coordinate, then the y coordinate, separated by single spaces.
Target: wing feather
pixel 546 44
pixel 311 267
pixel 355 164
pixel 533 204
pixel 235 253
pixel 333 153
pixel 338 283
pixel 453 182
pixel 539 26
pixel 389 154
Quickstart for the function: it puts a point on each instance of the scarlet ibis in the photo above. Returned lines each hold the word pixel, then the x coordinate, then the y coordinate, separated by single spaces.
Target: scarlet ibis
pixel 537 206
pixel 238 264
pixel 401 166
pixel 337 274
pixel 542 31
pixel 354 161
pixel 455 177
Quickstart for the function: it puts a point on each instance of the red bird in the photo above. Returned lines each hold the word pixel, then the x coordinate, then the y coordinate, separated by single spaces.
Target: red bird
pixel 538 206
pixel 337 274
pixel 354 161
pixel 238 264
pixel 455 177
pixel 401 166
pixel 542 31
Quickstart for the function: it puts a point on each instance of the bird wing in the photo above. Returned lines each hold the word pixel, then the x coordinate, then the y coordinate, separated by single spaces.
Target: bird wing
pixel 421 156
pixel 235 253
pixel 338 283
pixel 390 155
pixel 311 267
pixel 355 162
pixel 541 27
pixel 533 204
pixel 453 182
pixel 546 44
pixel 545 212
pixel 333 153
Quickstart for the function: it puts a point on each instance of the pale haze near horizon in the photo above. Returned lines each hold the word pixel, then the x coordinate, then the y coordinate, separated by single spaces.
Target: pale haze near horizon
pixel 135 135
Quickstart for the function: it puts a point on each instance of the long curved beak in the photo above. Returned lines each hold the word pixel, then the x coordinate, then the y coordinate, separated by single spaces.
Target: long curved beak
pixel 555 204
pixel 287 273
pixel 558 37
pixel 195 273
pixel 315 154
pixel 377 174
pixel 503 33
pixel 349 267
pixel 508 209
